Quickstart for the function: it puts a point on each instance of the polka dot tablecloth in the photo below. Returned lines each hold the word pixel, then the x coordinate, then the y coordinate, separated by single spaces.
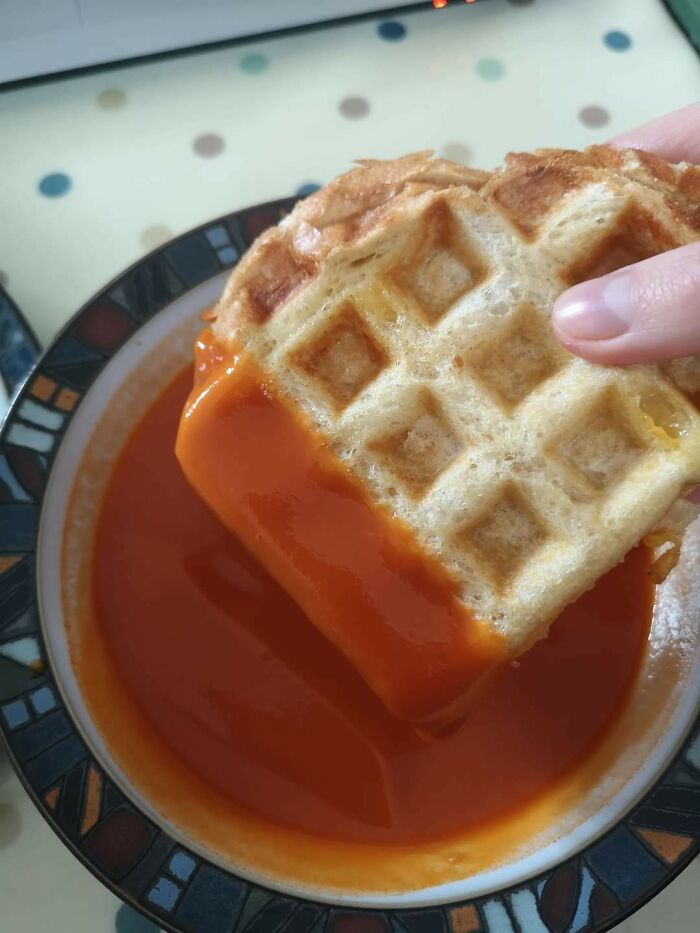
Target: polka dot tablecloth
pixel 100 168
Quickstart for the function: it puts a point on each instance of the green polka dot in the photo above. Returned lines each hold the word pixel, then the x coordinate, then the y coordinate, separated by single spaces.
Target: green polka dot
pixel 490 69
pixel 254 63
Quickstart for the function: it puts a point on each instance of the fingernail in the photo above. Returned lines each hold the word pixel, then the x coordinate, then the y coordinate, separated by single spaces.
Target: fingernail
pixel 596 310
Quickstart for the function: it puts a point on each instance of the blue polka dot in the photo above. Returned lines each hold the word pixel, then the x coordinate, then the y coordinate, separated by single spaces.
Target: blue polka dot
pixel 254 63
pixel 128 921
pixel 391 30
pixel 619 41
pixel 55 185
pixel 307 188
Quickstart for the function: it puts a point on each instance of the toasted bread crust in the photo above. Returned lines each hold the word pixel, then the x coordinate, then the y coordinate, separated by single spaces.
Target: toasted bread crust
pixel 406 308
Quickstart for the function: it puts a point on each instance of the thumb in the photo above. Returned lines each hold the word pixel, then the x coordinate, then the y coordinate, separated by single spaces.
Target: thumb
pixel 642 313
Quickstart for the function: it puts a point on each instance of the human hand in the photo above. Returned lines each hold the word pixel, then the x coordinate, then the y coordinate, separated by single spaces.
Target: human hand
pixel 649 311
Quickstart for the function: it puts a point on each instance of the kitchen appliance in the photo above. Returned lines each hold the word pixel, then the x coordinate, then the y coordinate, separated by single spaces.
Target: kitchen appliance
pixel 43 37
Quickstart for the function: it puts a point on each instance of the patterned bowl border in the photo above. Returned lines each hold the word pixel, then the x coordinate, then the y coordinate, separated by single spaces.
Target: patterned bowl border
pixel 19 347
pixel 177 889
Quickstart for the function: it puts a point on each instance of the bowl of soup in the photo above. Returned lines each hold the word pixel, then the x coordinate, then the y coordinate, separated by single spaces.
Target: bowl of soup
pixel 220 765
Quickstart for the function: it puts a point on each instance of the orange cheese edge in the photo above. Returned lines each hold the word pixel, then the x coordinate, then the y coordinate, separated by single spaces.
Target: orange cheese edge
pixel 357 571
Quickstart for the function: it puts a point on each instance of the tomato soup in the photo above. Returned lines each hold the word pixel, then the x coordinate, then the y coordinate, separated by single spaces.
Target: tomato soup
pixel 357 571
pixel 238 691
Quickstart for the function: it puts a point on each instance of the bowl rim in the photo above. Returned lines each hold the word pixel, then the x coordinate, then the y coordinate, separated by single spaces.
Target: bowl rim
pixel 155 874
pixel 28 344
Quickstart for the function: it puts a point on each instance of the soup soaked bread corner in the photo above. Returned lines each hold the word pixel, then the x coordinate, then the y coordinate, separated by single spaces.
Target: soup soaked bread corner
pixel 388 345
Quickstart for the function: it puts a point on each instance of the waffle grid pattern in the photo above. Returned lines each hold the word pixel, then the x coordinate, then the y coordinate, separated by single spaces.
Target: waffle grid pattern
pixel 423 350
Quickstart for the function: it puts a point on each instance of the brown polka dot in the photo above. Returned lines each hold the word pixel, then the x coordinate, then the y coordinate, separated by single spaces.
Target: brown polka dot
pixel 111 99
pixel 10 824
pixel 209 145
pixel 354 107
pixel 594 116
pixel 155 236
pixel 458 152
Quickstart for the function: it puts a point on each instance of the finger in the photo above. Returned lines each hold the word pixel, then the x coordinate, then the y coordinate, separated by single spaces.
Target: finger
pixel 645 312
pixel 675 137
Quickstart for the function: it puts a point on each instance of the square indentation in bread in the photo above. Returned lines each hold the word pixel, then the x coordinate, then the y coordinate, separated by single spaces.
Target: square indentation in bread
pixel 344 358
pixel 636 235
pixel 505 537
pixel 604 445
pixel 518 359
pixel 443 265
pixel 420 451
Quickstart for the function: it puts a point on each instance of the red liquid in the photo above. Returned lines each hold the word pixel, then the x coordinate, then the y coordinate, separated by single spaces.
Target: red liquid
pixel 248 695
pixel 357 572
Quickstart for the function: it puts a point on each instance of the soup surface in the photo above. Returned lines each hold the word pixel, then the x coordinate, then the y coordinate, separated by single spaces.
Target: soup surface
pixel 257 707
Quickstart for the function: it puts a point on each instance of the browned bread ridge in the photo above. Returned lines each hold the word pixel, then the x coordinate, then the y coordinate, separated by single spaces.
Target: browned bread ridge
pixel 406 308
